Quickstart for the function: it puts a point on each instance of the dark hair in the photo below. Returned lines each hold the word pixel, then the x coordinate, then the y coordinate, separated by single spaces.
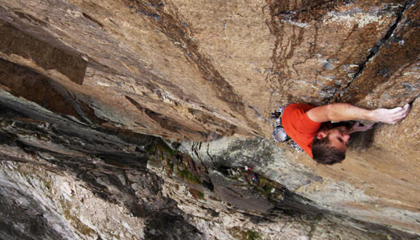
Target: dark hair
pixel 325 154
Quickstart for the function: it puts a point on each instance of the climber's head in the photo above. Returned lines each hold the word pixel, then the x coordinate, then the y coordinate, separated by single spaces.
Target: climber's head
pixel 330 145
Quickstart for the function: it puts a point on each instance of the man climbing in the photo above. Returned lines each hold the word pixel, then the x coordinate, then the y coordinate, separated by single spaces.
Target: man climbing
pixel 309 127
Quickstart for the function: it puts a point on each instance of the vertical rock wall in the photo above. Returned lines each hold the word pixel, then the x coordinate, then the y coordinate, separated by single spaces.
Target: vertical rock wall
pixel 202 70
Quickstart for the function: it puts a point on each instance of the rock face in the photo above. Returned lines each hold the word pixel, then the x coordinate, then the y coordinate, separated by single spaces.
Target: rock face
pixel 83 82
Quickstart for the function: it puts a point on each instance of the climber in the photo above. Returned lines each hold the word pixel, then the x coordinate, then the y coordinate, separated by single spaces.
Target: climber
pixel 310 127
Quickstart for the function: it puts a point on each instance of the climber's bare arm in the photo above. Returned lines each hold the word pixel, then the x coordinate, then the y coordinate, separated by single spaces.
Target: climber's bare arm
pixel 357 127
pixel 346 112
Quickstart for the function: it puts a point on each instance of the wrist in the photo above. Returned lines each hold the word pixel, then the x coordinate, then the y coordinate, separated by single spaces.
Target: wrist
pixel 371 115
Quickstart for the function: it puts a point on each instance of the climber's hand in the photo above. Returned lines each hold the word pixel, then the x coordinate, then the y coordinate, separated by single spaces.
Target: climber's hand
pixel 391 116
pixel 359 128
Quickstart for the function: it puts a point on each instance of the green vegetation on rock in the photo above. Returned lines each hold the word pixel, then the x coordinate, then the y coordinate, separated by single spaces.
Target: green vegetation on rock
pixel 185 174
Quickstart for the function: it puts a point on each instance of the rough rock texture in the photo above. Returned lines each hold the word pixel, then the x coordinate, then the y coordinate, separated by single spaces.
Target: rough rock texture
pixel 335 189
pixel 205 75
pixel 61 179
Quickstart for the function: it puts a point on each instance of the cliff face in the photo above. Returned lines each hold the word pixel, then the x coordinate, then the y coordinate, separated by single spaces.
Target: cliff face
pixel 204 75
pixel 62 179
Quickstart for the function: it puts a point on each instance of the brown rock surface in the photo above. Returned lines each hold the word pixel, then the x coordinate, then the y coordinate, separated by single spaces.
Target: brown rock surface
pixel 199 70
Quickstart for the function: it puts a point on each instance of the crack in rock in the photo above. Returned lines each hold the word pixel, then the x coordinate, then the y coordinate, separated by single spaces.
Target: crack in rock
pixel 376 49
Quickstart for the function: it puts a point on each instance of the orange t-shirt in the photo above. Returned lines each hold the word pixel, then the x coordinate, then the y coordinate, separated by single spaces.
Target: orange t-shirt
pixel 299 127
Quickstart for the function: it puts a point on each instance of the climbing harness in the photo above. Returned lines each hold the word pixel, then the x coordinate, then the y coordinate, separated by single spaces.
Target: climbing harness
pixel 279 135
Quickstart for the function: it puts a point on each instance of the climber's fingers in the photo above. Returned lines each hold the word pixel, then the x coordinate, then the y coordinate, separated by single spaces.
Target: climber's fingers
pixel 397 114
pixel 391 116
